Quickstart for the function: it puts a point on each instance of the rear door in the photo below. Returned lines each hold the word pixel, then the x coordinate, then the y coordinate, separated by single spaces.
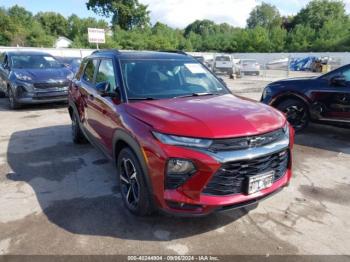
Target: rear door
pixel 87 93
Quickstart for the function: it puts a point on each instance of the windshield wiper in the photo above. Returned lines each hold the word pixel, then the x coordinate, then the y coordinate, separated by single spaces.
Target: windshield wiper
pixel 198 94
pixel 141 98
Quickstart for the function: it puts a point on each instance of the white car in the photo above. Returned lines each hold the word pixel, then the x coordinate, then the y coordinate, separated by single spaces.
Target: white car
pixel 249 67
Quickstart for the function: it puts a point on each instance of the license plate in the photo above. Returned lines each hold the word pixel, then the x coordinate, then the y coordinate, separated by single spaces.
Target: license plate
pixel 260 182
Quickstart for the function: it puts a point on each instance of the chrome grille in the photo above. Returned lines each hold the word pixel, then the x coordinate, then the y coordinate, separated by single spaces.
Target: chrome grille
pixel 51 85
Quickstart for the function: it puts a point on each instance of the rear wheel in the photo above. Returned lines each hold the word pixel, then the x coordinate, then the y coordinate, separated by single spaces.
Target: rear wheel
pixel 296 112
pixel 77 134
pixel 133 188
pixel 13 104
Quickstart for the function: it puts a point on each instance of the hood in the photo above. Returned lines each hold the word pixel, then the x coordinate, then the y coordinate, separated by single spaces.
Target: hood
pixel 46 74
pixel 223 116
pixel 296 79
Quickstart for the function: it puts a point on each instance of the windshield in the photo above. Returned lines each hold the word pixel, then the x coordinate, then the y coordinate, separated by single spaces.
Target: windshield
pixel 157 79
pixel 35 62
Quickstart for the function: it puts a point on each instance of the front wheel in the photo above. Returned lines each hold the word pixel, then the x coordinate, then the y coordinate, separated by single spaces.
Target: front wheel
pixel 77 134
pixel 133 187
pixel 296 112
pixel 13 104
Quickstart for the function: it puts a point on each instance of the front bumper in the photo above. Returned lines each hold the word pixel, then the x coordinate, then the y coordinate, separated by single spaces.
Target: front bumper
pixel 26 93
pixel 189 199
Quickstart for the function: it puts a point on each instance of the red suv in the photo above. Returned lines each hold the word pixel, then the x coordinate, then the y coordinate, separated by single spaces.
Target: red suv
pixel 181 142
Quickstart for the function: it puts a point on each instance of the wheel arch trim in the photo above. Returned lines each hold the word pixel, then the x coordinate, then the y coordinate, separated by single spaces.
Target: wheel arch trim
pixel 289 95
pixel 123 136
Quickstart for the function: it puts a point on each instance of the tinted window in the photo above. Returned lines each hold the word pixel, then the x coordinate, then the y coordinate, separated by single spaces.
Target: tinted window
pixel 346 75
pixel 106 74
pixel 90 70
pixel 343 71
pixel 35 61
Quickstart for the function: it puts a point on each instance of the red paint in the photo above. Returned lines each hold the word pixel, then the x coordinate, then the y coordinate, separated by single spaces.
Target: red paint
pixel 205 117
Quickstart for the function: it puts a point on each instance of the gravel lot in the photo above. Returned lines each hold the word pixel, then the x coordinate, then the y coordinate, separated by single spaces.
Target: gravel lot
pixel 60 198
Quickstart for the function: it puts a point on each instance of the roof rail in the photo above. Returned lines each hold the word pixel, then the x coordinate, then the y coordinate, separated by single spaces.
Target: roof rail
pixel 106 51
pixel 174 52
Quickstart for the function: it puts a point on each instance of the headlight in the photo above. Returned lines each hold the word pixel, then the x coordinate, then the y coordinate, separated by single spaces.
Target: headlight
pixel 266 92
pixel 286 129
pixel 182 141
pixel 22 77
pixel 70 76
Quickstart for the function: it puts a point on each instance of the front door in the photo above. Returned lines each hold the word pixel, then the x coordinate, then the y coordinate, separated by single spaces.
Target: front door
pixel 102 111
pixel 336 97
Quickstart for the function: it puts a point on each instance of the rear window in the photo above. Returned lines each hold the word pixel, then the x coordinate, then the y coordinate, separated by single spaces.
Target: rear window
pixel 249 62
pixel 223 58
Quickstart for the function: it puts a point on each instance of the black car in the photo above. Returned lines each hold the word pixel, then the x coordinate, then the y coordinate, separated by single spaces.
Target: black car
pixel 324 99
pixel 32 78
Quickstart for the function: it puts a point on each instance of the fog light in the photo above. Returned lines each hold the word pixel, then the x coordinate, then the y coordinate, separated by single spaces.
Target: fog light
pixel 180 166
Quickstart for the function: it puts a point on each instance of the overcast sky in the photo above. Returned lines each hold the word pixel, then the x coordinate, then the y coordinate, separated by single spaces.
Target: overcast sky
pixel 176 13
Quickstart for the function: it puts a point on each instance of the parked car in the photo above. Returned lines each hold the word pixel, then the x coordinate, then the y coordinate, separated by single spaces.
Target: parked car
pixel 182 143
pixel 324 99
pixel 248 67
pixel 200 59
pixel 33 78
pixel 73 63
pixel 223 64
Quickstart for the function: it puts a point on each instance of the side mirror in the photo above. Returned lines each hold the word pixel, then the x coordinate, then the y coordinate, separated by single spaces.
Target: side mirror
pixel 103 89
pixel 338 81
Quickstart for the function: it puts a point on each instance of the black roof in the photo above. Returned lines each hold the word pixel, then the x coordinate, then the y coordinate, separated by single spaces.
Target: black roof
pixel 143 54
pixel 27 53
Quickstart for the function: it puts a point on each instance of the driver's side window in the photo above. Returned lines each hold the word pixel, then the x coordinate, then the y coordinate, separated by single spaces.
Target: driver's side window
pixel 346 74
pixel 105 74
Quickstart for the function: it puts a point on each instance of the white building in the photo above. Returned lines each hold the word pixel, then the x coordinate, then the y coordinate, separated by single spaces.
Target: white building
pixel 62 42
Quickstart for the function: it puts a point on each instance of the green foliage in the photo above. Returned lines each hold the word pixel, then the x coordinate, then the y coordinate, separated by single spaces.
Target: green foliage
pixel 322 25
pixel 264 15
pixel 127 14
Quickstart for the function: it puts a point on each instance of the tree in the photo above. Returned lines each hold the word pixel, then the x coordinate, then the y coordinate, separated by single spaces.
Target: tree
pixel 53 23
pixel 318 12
pixel 78 29
pixel 201 27
pixel 301 39
pixel 127 14
pixel 264 15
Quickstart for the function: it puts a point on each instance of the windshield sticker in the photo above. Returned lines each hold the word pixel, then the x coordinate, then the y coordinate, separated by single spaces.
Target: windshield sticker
pixel 49 58
pixel 195 68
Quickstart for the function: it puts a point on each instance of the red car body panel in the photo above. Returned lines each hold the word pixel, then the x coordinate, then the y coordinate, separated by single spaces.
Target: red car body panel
pixel 208 117
pixel 211 117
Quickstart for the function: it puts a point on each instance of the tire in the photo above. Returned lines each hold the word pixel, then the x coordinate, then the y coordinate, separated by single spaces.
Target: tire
pixel 297 113
pixel 13 104
pixel 133 187
pixel 77 134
